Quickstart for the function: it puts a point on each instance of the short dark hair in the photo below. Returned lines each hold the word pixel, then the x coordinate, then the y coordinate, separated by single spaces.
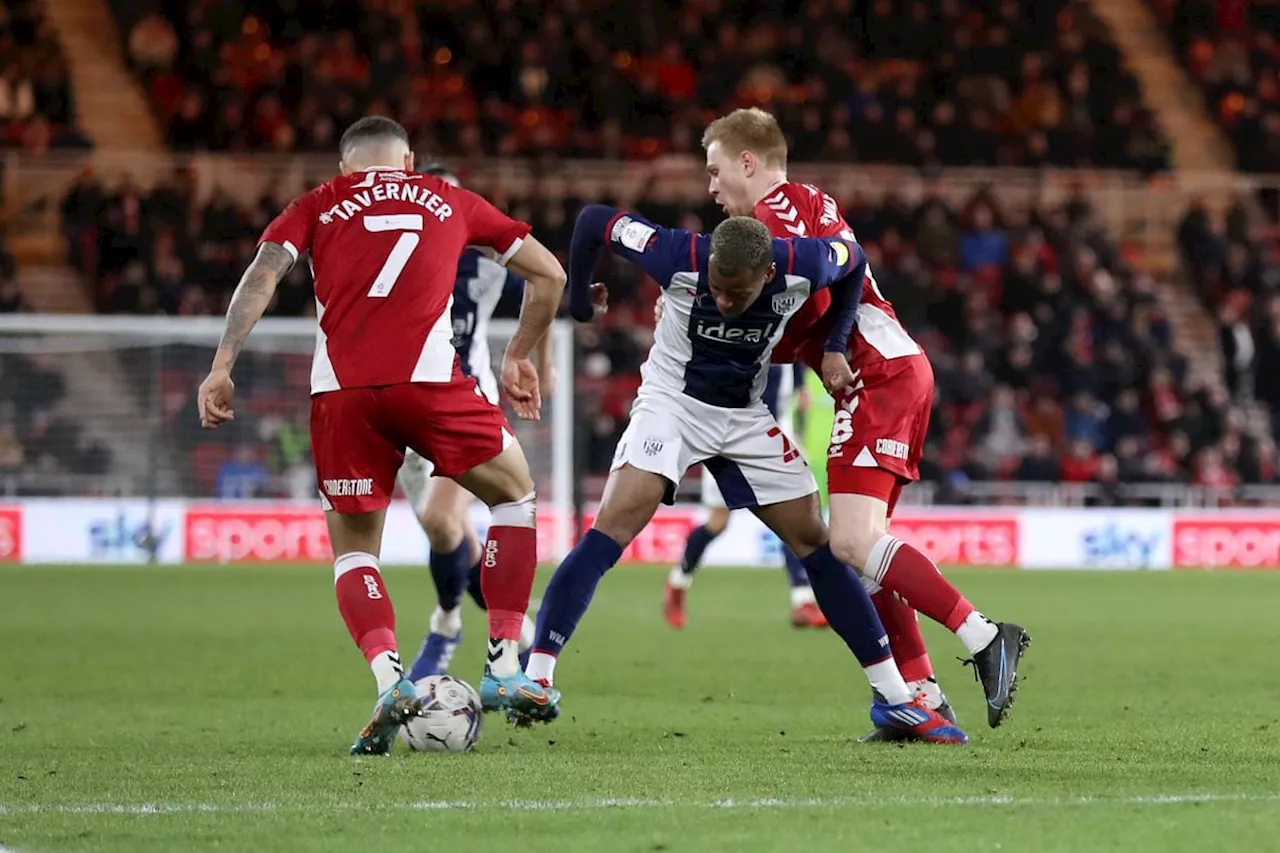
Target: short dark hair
pixel 741 243
pixel 371 129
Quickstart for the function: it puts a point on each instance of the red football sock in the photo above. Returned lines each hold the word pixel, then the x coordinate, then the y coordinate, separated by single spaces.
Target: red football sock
pixel 508 565
pixel 901 569
pixel 903 628
pixel 364 603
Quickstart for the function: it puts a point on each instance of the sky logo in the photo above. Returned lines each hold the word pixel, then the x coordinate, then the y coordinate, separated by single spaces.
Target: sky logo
pixel 1119 546
pixel 126 537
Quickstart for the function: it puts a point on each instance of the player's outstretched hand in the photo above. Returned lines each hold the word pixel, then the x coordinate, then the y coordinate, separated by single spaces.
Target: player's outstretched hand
pixel 657 311
pixel 214 399
pixel 520 381
pixel 599 300
pixel 836 372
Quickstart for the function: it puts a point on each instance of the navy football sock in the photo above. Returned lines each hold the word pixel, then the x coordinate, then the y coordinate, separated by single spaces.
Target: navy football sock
pixel 473 586
pixel 569 594
pixel 699 538
pixel 847 606
pixel 449 574
pixel 796 574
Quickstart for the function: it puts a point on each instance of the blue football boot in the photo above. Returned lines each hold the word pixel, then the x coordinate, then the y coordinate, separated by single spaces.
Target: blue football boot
pixel 524 700
pixel 396 704
pixel 919 720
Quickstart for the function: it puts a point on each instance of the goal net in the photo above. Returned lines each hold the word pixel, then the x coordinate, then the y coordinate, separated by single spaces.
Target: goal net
pixel 105 407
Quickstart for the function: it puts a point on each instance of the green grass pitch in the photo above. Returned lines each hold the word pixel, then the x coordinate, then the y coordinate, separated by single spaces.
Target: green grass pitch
pixel 196 708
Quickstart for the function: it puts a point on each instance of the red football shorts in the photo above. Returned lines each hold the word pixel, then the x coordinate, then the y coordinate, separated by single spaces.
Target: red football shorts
pixel 359 435
pixel 881 422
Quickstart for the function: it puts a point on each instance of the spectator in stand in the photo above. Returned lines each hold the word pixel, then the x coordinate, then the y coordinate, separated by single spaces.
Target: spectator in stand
pixel 153 45
pixel 982 246
pixel 1236 341
pixel 243 475
pixel 1082 463
pixel 1086 421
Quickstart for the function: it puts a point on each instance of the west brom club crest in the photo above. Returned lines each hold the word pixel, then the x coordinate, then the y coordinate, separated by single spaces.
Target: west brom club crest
pixel 785 303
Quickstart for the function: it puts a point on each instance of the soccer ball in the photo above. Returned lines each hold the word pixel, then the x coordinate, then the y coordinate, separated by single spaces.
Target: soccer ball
pixel 451 716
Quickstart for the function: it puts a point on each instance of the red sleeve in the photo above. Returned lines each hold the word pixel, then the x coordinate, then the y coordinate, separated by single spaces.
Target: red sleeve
pixel 488 226
pixel 294 227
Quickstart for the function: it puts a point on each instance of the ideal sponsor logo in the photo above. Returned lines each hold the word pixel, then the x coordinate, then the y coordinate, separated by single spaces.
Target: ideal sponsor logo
pixel 736 333
pixel 257 534
pixel 1118 546
pixel 1243 542
pixel 968 540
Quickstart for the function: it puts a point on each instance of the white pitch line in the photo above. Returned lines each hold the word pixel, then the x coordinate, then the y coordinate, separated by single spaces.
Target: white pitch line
pixel 633 803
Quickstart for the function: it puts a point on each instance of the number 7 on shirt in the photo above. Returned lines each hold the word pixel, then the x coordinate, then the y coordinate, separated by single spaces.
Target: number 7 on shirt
pixel 406 223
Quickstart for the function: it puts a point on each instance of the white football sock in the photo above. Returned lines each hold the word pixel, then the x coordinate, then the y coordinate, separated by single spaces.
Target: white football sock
pixel 387 669
pixel 542 667
pixel 802 595
pixel 527 629
pixel 976 632
pixel 678 579
pixel 887 681
pixel 447 623
pixel 504 657
pixel 933 697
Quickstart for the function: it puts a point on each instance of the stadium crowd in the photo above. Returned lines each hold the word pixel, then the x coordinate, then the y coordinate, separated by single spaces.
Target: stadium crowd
pixel 950 83
pixel 37 111
pixel 1231 48
pixel 1053 358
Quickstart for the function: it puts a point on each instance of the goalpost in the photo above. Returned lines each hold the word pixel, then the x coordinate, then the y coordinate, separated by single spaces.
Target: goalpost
pixel 95 407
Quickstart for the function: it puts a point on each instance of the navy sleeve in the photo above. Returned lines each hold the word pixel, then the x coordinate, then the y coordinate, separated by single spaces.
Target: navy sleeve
pixel 661 252
pixel 842 265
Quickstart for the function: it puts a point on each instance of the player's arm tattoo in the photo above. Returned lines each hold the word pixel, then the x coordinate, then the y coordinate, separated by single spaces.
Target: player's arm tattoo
pixel 250 300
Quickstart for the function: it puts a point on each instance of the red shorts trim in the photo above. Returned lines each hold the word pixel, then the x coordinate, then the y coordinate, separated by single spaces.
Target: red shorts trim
pixel 359 435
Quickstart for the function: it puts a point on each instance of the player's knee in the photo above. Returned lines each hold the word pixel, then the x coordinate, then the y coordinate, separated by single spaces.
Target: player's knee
pixel 852 543
pixel 445 531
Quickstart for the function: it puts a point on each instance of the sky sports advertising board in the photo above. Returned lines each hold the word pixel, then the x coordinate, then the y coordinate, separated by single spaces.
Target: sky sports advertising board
pixel 107 531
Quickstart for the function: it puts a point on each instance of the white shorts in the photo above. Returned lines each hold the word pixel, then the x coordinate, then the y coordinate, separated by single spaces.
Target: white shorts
pixel 711 497
pixel 751 459
pixel 415 474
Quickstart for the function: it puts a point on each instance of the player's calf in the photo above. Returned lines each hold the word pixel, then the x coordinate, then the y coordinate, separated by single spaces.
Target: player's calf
pixel 630 499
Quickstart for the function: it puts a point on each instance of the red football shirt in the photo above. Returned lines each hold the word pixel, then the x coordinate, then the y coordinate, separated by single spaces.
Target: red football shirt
pixel 384 254
pixel 802 210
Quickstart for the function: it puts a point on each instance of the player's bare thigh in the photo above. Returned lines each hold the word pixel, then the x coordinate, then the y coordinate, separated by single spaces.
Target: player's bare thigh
pixel 631 497
pixel 798 523
pixel 356 531
pixel 503 479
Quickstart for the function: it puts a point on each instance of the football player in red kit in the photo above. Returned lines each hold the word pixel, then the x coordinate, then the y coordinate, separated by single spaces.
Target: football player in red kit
pixel 883 395
pixel 384 244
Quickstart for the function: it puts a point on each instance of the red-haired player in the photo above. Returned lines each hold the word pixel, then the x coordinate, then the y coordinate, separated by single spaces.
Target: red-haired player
pixel 884 392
